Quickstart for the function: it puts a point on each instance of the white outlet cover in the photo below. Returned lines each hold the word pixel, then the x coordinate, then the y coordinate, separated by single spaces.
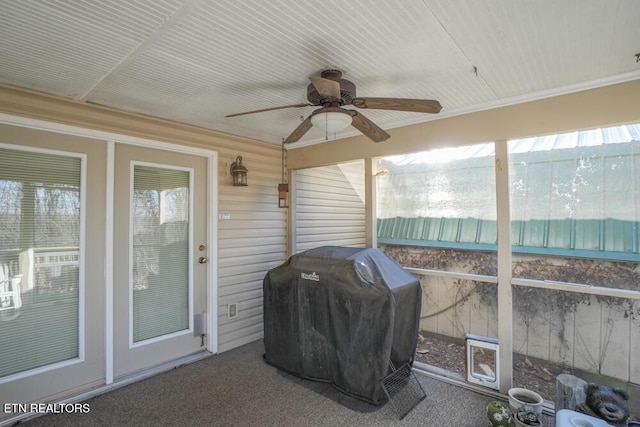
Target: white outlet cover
pixel 232 310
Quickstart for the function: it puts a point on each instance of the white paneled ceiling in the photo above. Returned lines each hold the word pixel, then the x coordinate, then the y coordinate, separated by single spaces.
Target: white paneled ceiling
pixel 196 61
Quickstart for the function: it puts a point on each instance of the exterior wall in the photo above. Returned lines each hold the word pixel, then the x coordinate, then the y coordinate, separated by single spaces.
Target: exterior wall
pixel 330 206
pixel 251 242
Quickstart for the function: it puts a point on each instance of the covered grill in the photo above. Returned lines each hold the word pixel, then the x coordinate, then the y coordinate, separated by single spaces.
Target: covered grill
pixel 340 315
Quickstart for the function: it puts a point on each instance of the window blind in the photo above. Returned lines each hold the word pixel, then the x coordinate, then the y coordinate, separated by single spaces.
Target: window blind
pixel 40 212
pixel 160 251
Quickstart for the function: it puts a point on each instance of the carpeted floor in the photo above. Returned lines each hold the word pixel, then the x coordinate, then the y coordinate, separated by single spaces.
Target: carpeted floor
pixel 238 388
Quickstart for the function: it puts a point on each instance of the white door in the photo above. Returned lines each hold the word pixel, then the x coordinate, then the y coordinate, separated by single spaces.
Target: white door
pixel 52 229
pixel 160 255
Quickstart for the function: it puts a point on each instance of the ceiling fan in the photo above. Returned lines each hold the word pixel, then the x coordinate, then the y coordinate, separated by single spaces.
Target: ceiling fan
pixel 331 93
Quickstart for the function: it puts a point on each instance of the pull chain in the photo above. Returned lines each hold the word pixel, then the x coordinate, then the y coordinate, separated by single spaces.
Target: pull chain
pixel 284 179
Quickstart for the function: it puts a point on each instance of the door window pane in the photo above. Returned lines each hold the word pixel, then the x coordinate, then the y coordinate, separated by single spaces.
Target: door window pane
pixel 160 252
pixel 40 223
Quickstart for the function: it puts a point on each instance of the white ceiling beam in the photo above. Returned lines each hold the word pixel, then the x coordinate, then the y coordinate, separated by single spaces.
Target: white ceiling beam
pixel 142 47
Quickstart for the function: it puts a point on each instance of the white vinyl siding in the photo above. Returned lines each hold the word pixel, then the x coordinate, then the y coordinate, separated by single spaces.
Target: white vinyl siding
pixel 251 241
pixel 330 206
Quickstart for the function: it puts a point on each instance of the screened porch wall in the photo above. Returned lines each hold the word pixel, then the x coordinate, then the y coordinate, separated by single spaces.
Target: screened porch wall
pixel 571 195
pixel 596 335
pixel 574 255
pixel 453 308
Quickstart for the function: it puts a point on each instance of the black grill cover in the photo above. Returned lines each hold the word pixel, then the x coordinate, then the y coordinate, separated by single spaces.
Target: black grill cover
pixel 340 314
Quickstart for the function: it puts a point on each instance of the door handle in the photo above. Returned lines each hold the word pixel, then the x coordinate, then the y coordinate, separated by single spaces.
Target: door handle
pixel 202 260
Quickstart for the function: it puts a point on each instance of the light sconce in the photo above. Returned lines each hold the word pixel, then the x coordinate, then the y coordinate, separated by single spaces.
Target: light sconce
pixel 331 119
pixel 239 173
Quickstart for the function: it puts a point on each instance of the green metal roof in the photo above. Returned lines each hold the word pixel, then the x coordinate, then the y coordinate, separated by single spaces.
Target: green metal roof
pixel 607 239
pixel 575 194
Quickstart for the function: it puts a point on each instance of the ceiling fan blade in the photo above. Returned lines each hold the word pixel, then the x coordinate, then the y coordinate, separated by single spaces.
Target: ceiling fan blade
pixel 401 104
pixel 269 109
pixel 299 131
pixel 367 127
pixel 326 87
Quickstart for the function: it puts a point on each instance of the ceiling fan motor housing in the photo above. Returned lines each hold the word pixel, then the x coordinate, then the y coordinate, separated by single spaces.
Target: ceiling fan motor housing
pixel 347 89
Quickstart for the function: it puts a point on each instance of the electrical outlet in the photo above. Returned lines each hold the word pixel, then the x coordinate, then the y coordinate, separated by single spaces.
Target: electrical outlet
pixel 232 310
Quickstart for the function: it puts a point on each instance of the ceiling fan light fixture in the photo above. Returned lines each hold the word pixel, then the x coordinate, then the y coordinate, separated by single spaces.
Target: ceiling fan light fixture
pixel 331 92
pixel 331 121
